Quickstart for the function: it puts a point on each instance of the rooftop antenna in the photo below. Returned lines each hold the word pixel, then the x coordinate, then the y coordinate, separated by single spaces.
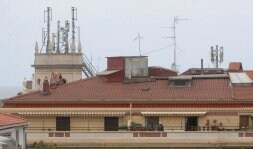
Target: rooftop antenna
pixel 47 19
pixel 217 56
pixel 74 18
pixel 175 21
pixel 58 37
pixel 139 37
pixel 65 36
pixel 78 28
pixel 53 41
pixel 79 41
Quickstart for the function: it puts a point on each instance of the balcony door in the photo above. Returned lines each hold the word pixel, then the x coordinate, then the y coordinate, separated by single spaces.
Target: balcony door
pixel 244 121
pixel 191 123
pixel 111 123
pixel 152 122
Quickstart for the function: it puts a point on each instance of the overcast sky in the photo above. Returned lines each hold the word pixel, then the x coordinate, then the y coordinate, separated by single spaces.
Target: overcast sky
pixel 108 28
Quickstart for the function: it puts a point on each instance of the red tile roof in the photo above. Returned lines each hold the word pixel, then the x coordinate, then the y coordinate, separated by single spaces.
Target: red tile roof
pixel 250 74
pixel 7 119
pixel 97 89
pixel 235 67
pixel 198 71
pixel 161 72
pixel 243 92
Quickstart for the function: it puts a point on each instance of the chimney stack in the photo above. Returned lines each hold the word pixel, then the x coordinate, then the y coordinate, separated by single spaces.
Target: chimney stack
pixel 202 67
pixel 46 87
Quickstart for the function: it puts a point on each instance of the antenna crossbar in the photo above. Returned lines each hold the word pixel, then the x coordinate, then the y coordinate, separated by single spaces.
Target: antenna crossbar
pixel 139 37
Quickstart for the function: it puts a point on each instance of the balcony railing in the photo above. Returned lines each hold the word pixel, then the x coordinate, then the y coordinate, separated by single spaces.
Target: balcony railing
pixel 140 128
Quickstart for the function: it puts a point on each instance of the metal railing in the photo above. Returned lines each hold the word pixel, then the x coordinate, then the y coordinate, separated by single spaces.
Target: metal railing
pixel 88 69
pixel 166 128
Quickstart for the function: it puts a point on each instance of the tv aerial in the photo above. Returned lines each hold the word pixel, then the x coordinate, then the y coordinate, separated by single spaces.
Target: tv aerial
pixel 139 37
pixel 173 27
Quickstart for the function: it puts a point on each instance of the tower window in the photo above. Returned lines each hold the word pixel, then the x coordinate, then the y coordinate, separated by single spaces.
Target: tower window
pixel 38 81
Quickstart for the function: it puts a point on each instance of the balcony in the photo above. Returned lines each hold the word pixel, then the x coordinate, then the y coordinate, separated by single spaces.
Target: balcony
pixel 144 138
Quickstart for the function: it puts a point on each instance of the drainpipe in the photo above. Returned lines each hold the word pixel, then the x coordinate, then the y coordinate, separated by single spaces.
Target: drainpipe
pixel 129 123
pixel 130 111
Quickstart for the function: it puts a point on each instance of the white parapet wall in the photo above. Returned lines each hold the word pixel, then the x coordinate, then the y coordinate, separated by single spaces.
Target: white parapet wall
pixel 131 135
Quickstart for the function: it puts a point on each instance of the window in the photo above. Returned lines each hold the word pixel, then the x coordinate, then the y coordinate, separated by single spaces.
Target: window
pixel 38 81
pixel 180 83
pixel 152 122
pixel 111 123
pixel 62 123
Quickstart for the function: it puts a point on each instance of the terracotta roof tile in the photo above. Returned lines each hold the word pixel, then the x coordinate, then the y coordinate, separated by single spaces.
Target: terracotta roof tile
pixel 243 92
pixel 97 89
pixel 250 74
pixel 7 119
pixel 235 67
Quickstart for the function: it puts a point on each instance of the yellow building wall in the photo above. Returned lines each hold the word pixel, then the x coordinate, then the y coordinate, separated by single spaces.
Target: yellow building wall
pixel 41 123
pixel 229 122
pixel 97 123
pixel 172 123
pixel 139 120
pixel 87 123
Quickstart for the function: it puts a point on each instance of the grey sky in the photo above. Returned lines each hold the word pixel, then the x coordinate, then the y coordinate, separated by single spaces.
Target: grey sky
pixel 108 28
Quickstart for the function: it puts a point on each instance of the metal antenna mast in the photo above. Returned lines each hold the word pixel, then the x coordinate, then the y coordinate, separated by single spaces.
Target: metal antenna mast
pixel 217 55
pixel 49 18
pixel 65 36
pixel 74 18
pixel 139 37
pixel 175 21
pixel 58 37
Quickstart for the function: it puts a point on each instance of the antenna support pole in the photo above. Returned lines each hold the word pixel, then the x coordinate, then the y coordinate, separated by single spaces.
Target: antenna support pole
pixel 58 37
pixel 74 18
pixel 66 34
pixel 175 21
pixel 49 18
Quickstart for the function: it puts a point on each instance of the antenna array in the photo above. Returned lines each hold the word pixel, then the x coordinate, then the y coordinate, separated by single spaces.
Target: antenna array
pixel 217 55
pixel 62 35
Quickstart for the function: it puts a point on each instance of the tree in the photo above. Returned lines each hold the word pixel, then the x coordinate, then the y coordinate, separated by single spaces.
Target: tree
pixel 44 145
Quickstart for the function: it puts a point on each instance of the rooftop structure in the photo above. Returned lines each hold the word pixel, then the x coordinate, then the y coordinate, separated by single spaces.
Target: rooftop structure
pixel 12 131
pixel 57 55
pixel 129 100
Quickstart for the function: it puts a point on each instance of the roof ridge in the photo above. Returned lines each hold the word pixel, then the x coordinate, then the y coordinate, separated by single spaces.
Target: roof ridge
pixel 77 81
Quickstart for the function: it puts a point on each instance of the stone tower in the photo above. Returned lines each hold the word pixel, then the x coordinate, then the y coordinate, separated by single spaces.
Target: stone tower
pixel 57 58
pixel 69 65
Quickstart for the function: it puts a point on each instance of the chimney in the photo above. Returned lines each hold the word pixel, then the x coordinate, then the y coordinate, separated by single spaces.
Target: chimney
pixel 202 68
pixel 46 87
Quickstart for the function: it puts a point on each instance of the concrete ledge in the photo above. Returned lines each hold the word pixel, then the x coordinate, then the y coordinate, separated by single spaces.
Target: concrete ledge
pixel 144 143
